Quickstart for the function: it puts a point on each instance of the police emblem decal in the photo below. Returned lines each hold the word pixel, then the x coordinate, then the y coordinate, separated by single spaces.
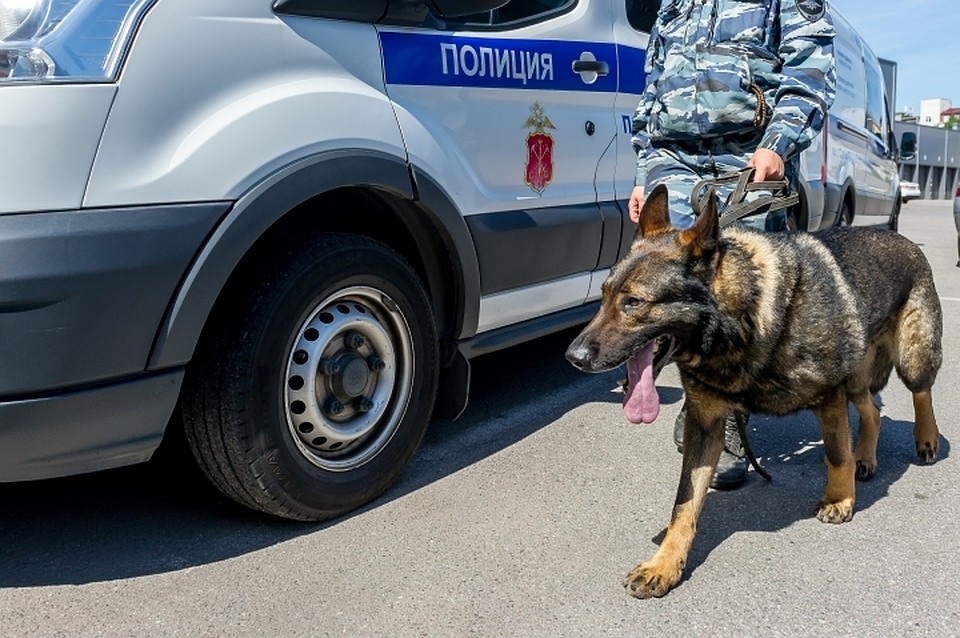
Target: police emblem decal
pixel 810 9
pixel 539 168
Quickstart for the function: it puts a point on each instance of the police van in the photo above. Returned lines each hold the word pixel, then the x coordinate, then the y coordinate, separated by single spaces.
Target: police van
pixel 850 171
pixel 284 228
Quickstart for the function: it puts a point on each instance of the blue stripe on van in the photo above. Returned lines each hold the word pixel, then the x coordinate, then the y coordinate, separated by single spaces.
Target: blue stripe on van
pixel 428 59
pixel 631 65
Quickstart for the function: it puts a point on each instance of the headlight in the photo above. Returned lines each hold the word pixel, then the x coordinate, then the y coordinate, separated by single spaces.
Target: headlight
pixel 65 40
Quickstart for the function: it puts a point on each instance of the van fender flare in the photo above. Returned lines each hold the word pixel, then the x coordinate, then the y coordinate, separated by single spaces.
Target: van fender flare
pixel 848 194
pixel 258 209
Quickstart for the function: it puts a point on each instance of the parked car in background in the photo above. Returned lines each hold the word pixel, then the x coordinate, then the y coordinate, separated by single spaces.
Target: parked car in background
pixel 909 190
pixel 956 220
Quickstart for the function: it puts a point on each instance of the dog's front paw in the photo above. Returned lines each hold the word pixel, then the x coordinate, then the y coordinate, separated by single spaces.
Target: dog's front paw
pixel 839 512
pixel 652 580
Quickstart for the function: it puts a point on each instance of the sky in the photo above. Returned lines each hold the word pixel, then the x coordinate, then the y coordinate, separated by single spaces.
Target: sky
pixel 921 36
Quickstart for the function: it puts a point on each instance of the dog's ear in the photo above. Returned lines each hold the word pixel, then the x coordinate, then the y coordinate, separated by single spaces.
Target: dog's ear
pixel 703 235
pixel 655 214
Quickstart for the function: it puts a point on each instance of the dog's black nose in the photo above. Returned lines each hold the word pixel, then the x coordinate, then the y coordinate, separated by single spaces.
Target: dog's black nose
pixel 578 355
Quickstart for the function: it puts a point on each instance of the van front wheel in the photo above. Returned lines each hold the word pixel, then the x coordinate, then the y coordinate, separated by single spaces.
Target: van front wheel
pixel 314 382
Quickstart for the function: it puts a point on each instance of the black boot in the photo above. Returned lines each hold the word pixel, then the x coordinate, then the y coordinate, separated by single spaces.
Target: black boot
pixel 731 470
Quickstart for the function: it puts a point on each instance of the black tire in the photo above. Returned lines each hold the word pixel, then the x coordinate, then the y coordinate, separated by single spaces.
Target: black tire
pixel 894 222
pixel 794 217
pixel 315 378
pixel 845 217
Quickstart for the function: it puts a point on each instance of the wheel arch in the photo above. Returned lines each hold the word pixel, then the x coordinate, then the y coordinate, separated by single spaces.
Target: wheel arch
pixel 893 223
pixel 849 197
pixel 801 211
pixel 381 200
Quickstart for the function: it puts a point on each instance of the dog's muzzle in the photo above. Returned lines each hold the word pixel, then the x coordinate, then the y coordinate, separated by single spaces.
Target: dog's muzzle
pixel 583 354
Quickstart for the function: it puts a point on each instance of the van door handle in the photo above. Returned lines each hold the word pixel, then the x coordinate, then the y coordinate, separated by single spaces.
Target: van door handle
pixel 591 66
pixel 849 129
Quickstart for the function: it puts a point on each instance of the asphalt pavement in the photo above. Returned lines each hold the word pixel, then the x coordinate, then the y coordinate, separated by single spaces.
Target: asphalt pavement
pixel 519 519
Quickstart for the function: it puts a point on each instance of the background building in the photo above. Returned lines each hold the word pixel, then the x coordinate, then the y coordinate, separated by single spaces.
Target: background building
pixel 931 109
pixel 936 164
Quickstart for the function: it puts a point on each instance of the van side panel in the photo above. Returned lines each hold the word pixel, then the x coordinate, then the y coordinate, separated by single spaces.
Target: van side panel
pixel 861 172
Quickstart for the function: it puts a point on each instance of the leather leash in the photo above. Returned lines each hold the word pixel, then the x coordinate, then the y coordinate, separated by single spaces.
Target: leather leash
pixel 779 196
pixel 742 429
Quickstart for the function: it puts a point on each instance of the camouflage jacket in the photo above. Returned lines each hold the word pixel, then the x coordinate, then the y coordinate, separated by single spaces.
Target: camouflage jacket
pixel 721 70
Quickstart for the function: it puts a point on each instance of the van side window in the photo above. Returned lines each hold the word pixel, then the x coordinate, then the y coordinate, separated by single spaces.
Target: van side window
pixel 876 120
pixel 848 105
pixel 514 13
pixel 642 14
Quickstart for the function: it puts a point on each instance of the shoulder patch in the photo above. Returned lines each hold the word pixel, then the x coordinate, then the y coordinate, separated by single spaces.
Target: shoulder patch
pixel 812 10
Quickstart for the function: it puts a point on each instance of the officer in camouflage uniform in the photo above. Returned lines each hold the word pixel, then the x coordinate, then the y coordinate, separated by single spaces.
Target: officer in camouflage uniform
pixel 730 84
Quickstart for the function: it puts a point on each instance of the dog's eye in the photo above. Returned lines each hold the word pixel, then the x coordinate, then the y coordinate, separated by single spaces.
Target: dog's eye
pixel 632 303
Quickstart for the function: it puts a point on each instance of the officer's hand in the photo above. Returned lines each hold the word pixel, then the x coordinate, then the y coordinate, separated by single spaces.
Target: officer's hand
pixel 636 203
pixel 767 165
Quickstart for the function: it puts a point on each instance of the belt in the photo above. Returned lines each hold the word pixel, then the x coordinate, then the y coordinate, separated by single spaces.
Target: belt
pixel 745 138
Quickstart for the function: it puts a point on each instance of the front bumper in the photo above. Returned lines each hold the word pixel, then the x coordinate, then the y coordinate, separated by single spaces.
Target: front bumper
pixel 82 294
pixel 86 430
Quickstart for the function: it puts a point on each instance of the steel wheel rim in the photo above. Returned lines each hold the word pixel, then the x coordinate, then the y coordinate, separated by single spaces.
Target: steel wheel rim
pixel 348 378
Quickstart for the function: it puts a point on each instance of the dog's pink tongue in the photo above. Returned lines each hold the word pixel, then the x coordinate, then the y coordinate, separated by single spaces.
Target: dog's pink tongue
pixel 641 403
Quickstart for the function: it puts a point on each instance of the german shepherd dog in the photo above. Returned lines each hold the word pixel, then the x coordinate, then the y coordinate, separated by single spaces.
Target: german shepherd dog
pixel 771 323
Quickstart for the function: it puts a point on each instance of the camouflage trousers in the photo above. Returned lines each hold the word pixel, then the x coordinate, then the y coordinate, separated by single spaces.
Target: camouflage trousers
pixel 679 169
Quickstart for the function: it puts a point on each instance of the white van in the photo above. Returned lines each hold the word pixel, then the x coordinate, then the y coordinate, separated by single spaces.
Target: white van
pixel 850 170
pixel 285 237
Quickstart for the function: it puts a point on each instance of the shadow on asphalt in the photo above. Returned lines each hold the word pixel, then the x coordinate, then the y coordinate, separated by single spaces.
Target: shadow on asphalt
pixel 163 516
pixel 793 456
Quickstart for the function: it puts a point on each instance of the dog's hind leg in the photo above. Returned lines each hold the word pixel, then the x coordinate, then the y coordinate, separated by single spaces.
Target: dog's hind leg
pixel 869 377
pixel 925 430
pixel 839 496
pixel 865 453
pixel 702 443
